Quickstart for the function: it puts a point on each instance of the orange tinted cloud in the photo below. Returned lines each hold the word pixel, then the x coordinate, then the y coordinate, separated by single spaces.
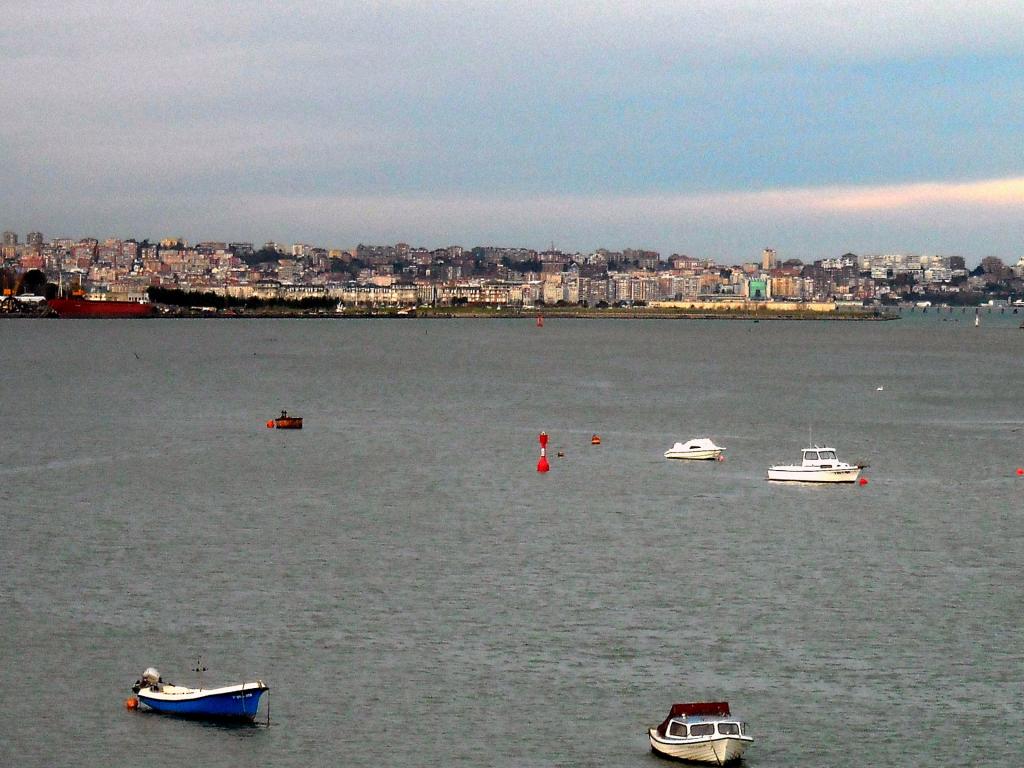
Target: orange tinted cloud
pixel 990 192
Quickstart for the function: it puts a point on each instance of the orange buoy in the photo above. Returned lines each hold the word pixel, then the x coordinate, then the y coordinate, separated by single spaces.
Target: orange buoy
pixel 131 703
pixel 270 424
pixel 863 481
pixel 595 440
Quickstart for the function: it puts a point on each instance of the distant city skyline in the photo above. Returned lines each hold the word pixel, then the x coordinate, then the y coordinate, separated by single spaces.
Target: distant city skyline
pixel 710 129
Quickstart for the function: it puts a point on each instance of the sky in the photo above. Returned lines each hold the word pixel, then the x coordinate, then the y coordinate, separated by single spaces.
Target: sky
pixel 713 128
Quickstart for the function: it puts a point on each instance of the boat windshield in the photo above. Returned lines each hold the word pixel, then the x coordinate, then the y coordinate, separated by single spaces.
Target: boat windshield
pixel 729 729
pixel 702 729
pixel 676 728
pixel 743 728
pixel 828 455
pixel 810 455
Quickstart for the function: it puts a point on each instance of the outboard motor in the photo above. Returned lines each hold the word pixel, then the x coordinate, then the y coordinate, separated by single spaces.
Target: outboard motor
pixel 151 678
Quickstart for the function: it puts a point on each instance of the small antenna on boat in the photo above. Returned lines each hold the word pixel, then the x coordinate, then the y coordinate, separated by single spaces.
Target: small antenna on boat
pixel 199 668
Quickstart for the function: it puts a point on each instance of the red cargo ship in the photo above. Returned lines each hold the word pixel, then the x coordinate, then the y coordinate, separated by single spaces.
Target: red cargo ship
pixel 78 306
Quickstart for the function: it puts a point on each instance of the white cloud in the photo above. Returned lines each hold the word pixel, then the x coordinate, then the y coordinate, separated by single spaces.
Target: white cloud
pixel 107 103
pixel 973 219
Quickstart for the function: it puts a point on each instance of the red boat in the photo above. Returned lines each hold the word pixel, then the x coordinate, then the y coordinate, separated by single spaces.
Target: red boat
pixel 78 306
pixel 284 421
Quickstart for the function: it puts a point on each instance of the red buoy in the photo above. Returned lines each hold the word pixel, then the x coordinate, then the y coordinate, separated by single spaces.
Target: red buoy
pixel 863 481
pixel 542 465
pixel 1020 471
pixel 131 703
pixel 270 424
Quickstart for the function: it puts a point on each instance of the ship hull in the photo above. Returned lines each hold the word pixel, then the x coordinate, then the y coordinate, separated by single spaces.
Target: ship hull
pixel 714 751
pixel 86 308
pixel 232 702
pixel 813 475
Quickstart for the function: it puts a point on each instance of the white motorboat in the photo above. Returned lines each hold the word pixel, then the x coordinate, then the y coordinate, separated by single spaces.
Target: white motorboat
pixel 701 732
pixel 698 448
pixel 819 465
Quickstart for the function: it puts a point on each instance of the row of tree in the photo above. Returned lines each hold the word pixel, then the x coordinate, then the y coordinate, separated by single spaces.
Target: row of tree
pixel 176 297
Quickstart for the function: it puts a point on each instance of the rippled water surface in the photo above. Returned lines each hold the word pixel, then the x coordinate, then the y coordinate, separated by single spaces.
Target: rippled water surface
pixel 416 594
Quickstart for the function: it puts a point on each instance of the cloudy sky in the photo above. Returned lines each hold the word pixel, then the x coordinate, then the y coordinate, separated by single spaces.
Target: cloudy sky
pixel 708 127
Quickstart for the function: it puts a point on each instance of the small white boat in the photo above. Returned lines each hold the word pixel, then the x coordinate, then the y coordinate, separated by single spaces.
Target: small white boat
pixel 698 448
pixel 701 732
pixel 819 465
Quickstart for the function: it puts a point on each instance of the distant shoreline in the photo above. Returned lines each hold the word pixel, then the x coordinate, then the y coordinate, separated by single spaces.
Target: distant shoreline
pixel 547 313
pixel 494 313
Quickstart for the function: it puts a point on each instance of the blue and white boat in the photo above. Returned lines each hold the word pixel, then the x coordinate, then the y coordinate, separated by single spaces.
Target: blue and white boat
pixel 237 702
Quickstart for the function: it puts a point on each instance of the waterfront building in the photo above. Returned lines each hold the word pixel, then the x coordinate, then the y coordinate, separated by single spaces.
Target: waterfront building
pixel 757 289
pixel 786 286
pixel 286 270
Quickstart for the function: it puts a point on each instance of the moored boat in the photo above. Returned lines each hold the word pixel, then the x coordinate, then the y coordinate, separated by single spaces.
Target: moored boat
pixel 701 732
pixel 284 421
pixel 698 448
pixel 818 465
pixel 232 702
pixel 81 307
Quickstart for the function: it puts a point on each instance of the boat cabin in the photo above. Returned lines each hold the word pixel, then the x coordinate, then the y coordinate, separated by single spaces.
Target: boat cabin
pixel 678 729
pixel 699 444
pixel 825 458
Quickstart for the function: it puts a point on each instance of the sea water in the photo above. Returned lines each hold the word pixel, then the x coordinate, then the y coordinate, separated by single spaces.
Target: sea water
pixel 415 593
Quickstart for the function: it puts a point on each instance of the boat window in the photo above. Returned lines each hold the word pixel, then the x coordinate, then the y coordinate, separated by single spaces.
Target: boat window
pixel 810 455
pixel 743 728
pixel 676 728
pixel 702 729
pixel 828 455
pixel 729 729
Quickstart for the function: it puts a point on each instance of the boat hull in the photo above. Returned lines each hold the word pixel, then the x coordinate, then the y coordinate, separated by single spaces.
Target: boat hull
pixel 87 308
pixel 814 474
pixel 235 702
pixel 290 422
pixel 718 750
pixel 703 455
